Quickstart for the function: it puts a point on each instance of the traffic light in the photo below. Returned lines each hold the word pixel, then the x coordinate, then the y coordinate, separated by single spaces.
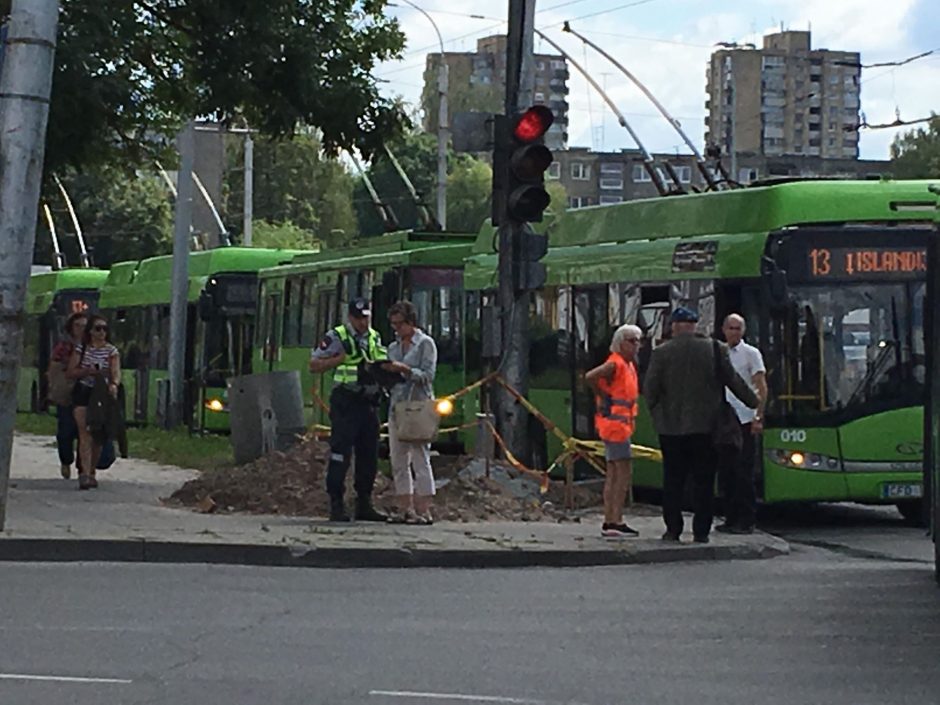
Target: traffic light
pixel 520 161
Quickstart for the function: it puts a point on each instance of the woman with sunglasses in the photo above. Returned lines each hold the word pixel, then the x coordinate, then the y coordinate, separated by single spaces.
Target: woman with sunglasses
pixel 94 358
pixel 617 388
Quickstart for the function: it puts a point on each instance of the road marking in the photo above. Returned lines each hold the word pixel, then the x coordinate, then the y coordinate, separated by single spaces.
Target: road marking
pixel 457 696
pixel 60 679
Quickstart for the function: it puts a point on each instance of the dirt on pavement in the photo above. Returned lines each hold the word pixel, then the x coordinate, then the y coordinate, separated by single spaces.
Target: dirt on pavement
pixel 292 483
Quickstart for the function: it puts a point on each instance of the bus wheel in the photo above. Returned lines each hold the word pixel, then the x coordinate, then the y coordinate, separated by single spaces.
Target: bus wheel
pixel 913 511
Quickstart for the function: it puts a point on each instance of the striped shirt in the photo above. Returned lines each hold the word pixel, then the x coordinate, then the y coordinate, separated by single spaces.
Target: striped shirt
pixel 95 359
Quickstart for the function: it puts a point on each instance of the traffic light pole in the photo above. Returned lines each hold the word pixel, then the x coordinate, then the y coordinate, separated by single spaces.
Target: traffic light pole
pixel 512 419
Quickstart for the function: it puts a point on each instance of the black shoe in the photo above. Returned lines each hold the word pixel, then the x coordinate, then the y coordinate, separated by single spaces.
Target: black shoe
pixel 726 528
pixel 366 512
pixel 702 539
pixel 617 531
pixel 337 510
pixel 669 536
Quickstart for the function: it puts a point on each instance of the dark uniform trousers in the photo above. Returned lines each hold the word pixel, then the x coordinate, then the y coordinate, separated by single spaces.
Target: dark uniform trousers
pixel 354 422
pixel 694 455
pixel 736 479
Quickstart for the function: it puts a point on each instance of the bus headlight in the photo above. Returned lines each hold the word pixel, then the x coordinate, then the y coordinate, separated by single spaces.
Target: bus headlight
pixel 445 407
pixel 215 404
pixel 803 460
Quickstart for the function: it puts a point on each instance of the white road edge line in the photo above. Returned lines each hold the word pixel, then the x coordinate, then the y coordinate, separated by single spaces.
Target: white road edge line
pixel 61 679
pixel 456 696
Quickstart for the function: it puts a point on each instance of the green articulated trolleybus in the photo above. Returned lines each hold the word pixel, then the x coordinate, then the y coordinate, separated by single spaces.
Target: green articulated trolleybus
pixel 51 297
pixel 300 301
pixel 831 278
pixel 222 301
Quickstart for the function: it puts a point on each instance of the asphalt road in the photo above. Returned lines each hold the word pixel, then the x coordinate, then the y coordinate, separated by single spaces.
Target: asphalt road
pixel 819 626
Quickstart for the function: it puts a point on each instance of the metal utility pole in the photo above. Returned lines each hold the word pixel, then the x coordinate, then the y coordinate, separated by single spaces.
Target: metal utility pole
pixel 182 223
pixel 514 305
pixel 25 86
pixel 248 213
pixel 442 124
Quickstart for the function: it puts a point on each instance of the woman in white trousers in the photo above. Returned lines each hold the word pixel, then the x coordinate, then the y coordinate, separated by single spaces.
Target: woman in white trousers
pixel 414 355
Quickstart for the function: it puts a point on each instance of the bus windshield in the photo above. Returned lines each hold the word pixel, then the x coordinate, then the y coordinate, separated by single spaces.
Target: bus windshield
pixel 842 352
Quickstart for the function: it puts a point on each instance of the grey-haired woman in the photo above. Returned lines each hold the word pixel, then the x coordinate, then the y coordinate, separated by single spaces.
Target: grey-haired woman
pixel 414 355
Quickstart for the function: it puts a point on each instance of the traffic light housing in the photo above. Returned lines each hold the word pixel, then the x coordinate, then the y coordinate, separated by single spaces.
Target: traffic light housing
pixel 520 161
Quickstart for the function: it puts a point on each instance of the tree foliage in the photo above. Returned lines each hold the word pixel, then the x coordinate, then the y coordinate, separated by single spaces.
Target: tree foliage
pixel 294 184
pixel 285 235
pixel 916 154
pixel 123 217
pixel 469 189
pixel 416 152
pixel 129 72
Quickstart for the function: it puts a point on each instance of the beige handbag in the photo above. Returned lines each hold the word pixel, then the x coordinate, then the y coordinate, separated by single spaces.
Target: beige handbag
pixel 416 421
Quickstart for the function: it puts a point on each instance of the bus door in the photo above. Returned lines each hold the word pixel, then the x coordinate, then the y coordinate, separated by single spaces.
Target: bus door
pixel 592 331
pixel 268 329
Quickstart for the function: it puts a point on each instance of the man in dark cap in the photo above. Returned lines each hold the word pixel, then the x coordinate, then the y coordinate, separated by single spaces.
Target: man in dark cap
pixel 684 393
pixel 348 350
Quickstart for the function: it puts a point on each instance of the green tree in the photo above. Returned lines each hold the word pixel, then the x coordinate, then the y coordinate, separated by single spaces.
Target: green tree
pixel 124 216
pixel 129 72
pixel 558 194
pixel 916 154
pixel 285 235
pixel 417 154
pixel 469 190
pixel 294 183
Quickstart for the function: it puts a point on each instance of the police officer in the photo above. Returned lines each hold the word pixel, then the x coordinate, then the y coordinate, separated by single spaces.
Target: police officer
pixel 346 349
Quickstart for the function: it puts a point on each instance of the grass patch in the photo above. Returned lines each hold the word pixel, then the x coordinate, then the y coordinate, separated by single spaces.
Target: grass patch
pixel 200 452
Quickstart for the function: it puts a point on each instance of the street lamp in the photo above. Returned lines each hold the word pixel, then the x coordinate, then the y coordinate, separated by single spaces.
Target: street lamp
pixel 441 125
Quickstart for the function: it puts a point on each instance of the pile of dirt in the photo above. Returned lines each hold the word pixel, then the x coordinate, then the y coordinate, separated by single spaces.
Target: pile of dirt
pixel 292 483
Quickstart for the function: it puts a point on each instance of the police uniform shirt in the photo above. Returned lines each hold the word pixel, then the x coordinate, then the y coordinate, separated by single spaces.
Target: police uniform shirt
pixel 331 345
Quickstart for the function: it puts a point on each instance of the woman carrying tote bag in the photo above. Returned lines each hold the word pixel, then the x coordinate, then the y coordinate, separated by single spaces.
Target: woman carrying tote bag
pixel 414 356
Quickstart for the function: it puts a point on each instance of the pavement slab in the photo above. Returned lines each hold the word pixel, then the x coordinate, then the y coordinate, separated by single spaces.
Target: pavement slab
pixel 124 520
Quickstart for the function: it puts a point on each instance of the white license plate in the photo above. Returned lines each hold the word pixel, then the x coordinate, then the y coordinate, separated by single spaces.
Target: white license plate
pixel 902 490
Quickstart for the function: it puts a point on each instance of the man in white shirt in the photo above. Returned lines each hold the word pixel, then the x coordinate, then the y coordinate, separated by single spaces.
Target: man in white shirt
pixel 736 469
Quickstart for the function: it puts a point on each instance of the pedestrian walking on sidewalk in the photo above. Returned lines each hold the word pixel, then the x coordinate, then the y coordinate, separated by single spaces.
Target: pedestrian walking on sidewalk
pixel 616 390
pixel 94 362
pixel 413 355
pixel 60 391
pixel 684 390
pixel 347 350
pixel 736 466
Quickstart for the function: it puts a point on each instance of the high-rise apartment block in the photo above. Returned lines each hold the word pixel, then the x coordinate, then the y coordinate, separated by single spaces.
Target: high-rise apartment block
pixel 477 81
pixel 784 99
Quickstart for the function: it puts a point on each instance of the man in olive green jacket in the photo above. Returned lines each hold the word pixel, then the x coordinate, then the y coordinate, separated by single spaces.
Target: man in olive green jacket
pixel 683 394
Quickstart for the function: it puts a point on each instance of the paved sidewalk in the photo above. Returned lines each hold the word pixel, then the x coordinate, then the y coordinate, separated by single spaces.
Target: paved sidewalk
pixel 123 520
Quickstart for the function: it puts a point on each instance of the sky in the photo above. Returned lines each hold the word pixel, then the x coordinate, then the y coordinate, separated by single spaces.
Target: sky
pixel 666 43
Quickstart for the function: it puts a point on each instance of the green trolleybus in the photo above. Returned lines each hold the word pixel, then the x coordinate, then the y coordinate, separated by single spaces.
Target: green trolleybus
pixel 831 279
pixel 51 297
pixel 221 300
pixel 298 302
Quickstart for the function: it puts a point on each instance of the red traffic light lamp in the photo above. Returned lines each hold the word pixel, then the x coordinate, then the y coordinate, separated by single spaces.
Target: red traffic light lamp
pixel 533 124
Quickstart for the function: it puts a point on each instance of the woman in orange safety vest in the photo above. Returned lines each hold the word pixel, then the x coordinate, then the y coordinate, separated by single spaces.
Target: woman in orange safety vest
pixel 617 389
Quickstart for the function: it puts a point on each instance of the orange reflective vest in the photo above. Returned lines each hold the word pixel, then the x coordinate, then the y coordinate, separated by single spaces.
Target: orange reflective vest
pixel 615 402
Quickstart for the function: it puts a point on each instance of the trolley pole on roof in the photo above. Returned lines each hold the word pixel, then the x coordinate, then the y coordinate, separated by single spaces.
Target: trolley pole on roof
pixel 247 211
pixel 25 86
pixel 512 418
pixel 182 223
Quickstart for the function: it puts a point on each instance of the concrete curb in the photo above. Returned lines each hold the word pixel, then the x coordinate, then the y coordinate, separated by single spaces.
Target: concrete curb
pixel 303 556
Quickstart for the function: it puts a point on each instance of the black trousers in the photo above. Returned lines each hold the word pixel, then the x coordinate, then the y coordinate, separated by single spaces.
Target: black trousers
pixel 683 456
pixel 354 426
pixel 736 478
